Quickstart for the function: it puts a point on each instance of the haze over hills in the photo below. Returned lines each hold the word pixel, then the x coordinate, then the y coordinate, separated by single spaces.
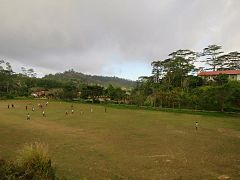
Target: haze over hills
pixel 92 79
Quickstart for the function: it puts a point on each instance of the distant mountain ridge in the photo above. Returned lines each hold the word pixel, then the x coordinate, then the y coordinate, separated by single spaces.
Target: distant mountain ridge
pixel 91 79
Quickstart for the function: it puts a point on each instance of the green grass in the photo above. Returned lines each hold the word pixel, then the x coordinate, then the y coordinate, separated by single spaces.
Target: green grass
pixel 125 143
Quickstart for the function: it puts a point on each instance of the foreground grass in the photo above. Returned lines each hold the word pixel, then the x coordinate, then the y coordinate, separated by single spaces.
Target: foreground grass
pixel 125 143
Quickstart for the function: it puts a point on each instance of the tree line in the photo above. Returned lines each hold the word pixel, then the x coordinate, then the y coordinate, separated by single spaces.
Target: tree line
pixel 174 84
pixel 26 83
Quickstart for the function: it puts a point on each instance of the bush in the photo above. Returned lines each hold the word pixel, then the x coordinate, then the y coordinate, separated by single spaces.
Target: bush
pixel 7 170
pixel 35 162
pixel 10 96
pixel 32 162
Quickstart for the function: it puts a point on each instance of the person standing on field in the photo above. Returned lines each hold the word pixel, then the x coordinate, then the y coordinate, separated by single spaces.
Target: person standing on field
pixel 28 116
pixel 43 113
pixel 196 125
pixel 8 106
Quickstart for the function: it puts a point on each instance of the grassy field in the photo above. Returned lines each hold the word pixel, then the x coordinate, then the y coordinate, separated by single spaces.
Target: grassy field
pixel 124 143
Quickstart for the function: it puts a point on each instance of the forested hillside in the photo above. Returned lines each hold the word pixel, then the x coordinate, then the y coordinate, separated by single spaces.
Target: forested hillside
pixel 68 85
pixel 91 79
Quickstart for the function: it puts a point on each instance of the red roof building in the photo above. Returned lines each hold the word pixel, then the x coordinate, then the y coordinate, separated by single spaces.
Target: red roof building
pixel 232 74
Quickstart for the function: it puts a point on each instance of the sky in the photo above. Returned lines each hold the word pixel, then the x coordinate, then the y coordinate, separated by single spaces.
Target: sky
pixel 111 37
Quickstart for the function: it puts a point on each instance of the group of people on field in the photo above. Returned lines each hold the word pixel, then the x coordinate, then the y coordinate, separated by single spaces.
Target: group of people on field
pixel 72 111
pixel 33 109
pixel 66 112
pixel 12 106
pixel 43 112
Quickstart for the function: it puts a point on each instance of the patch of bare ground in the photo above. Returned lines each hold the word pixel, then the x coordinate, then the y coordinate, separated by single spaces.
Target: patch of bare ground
pixel 223 177
pixel 56 127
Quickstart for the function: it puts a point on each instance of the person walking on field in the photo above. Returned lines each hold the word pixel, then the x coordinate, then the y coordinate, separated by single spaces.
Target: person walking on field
pixel 196 125
pixel 13 106
pixel 26 108
pixel 28 116
pixel 44 115
pixel 8 106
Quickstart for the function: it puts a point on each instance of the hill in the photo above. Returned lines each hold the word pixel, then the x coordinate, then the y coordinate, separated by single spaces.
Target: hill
pixel 91 79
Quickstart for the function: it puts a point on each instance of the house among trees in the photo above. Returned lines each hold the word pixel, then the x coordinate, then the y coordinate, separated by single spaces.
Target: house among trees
pixel 39 93
pixel 210 75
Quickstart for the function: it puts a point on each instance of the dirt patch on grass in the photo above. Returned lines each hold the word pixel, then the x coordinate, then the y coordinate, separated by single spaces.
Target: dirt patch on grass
pixel 160 155
pixel 223 177
pixel 179 132
pixel 51 127
pixel 56 127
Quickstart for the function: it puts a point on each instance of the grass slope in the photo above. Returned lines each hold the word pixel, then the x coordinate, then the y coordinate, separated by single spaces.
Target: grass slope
pixel 125 143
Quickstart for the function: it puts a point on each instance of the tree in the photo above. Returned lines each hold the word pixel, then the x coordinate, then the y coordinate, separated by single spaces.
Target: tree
pixel 31 72
pixel 24 71
pixel 92 92
pixel 177 69
pixel 213 52
pixel 110 91
pixel 157 70
pixel 221 79
pixel 138 97
pixel 231 60
pixel 1 67
pixel 9 68
pixel 119 94
pixel 6 77
pixel 186 54
pixel 70 91
pixel 222 96
pixel 192 82
pixel 235 97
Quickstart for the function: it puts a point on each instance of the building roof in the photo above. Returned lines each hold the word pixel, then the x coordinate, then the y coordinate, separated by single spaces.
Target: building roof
pixel 214 73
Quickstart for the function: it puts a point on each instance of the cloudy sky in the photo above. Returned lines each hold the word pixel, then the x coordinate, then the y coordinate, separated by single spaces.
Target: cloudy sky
pixel 111 37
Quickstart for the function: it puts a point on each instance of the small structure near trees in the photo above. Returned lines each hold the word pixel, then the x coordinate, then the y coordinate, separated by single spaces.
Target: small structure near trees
pixel 211 75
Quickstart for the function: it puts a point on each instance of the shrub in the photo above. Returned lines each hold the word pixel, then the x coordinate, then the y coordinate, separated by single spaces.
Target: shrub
pixel 32 162
pixel 8 170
